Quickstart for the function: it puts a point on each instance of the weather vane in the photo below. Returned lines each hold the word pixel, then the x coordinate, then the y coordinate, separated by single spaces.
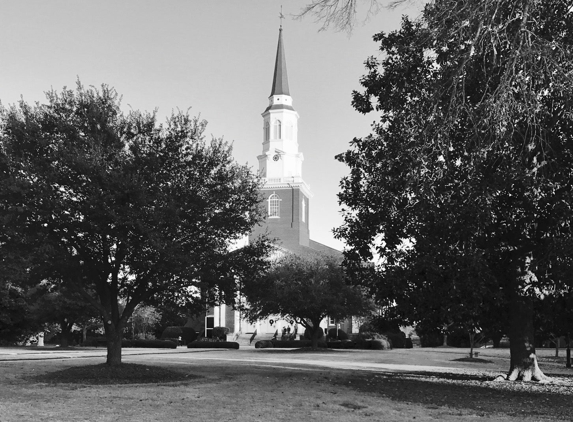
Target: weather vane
pixel 281 16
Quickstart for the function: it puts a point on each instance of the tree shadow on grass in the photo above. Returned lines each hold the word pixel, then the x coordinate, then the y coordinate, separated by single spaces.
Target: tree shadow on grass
pixel 475 391
pixel 102 374
pixel 472 360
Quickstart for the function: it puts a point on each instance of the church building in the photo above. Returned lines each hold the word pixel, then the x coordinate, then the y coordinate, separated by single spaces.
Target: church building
pixel 287 197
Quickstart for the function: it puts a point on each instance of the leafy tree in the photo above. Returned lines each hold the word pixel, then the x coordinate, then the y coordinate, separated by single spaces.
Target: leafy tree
pixel 59 305
pixel 143 320
pixel 16 320
pixel 121 206
pixel 305 289
pixel 464 190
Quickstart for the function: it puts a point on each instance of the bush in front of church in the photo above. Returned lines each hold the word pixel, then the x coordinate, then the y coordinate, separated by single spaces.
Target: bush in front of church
pixel 171 332
pixel 153 344
pixel 188 335
pixel 264 344
pixel 296 344
pixel 337 335
pixel 221 333
pixel 213 345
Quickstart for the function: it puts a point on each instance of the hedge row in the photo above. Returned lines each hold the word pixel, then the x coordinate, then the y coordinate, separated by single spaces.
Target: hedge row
pixel 187 334
pixel 365 344
pixel 213 345
pixel 289 344
pixel 157 344
pixel 374 344
pixel 399 340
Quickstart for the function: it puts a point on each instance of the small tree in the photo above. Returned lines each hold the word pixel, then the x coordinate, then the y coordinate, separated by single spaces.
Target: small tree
pixel 306 290
pixel 143 319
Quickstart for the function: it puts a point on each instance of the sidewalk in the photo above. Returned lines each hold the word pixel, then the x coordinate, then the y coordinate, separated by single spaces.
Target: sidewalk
pixel 53 352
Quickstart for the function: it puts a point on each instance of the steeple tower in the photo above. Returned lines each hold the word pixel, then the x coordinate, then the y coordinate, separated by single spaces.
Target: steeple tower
pixel 280 78
pixel 281 158
pixel 280 163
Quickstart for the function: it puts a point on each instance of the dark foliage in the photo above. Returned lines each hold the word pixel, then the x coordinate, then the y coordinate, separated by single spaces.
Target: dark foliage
pixel 264 344
pixel 126 373
pixel 308 335
pixel 465 187
pixel 278 344
pixel 213 345
pixel 220 333
pixel 121 209
pixel 305 289
pixel 171 332
pixel 157 344
pixel 188 335
pixel 16 318
pixel 337 334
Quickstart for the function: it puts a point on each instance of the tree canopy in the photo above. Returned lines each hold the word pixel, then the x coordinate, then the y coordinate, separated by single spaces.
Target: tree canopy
pixel 306 289
pixel 464 190
pixel 117 205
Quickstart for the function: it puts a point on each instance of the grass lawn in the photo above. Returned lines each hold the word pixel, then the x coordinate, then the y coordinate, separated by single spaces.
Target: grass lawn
pixel 262 385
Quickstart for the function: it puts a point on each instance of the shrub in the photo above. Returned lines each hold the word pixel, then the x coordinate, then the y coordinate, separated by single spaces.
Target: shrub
pixel 431 339
pixel 220 332
pixel 95 342
pixel 341 334
pixel 295 344
pixel 398 341
pixel 188 335
pixel 504 342
pixel 156 344
pixel 347 344
pixel 368 336
pixel 213 345
pixel 367 327
pixel 380 344
pixel 308 337
pixel 381 325
pixel 171 332
pixel 264 344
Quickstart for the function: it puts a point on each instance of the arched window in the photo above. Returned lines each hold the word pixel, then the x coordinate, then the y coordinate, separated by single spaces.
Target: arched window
pixel 278 129
pixel 303 210
pixel 274 206
pixel 267 131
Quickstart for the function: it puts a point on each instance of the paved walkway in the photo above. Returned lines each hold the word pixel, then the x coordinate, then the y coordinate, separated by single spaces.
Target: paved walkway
pixel 48 352
pixel 398 360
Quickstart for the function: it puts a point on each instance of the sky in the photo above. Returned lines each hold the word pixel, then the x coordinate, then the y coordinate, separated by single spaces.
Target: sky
pixel 213 58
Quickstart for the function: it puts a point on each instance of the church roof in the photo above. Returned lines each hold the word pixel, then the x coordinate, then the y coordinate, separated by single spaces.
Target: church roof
pixel 279 107
pixel 280 78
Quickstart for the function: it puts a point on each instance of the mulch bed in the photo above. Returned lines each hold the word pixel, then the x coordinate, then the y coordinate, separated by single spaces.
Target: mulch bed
pixel 472 390
pixel 126 373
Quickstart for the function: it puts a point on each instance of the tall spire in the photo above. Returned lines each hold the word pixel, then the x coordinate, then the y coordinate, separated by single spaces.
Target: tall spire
pixel 280 78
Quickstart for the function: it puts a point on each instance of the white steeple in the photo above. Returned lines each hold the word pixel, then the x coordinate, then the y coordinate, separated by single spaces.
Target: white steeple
pixel 281 161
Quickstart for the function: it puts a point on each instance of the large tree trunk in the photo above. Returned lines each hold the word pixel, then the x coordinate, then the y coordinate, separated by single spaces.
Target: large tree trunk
pixel 113 335
pixel 65 333
pixel 314 338
pixel 523 364
pixel 315 330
